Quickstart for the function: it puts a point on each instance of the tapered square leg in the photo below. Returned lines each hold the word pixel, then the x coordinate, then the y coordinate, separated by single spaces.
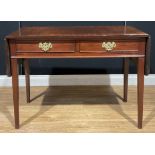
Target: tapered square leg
pixel 126 71
pixel 140 85
pixel 27 76
pixel 15 87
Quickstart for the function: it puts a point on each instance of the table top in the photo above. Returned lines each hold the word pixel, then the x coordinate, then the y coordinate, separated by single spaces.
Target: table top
pixel 76 32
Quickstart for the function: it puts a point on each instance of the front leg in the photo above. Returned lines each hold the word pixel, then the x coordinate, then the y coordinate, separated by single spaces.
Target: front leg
pixel 15 86
pixel 140 85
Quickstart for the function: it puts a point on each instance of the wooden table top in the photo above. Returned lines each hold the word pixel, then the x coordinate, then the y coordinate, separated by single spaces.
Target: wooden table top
pixel 76 32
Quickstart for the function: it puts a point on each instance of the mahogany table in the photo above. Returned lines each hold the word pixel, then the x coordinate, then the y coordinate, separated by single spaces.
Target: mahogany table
pixel 78 42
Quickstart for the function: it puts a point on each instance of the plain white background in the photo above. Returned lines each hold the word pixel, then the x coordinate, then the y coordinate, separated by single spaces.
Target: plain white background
pixel 77 144
pixel 82 10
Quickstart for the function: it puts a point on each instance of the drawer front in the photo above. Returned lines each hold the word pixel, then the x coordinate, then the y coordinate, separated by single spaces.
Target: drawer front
pixel 58 47
pixel 110 46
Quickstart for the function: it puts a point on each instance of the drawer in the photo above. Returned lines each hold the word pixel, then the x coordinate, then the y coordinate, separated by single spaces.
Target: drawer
pixel 58 47
pixel 110 46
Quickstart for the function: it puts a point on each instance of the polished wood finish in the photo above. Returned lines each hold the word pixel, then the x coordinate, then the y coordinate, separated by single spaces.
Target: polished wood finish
pixel 27 76
pixel 8 61
pixel 126 71
pixel 76 32
pixel 15 87
pixel 59 47
pixel 80 42
pixel 140 68
pixel 121 46
pixel 77 55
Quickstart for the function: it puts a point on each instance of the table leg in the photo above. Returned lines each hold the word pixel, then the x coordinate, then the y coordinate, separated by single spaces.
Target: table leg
pixel 126 71
pixel 15 86
pixel 27 76
pixel 140 85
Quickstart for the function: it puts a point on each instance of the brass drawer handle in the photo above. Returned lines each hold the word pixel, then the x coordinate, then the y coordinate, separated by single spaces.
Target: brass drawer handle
pixel 109 45
pixel 45 46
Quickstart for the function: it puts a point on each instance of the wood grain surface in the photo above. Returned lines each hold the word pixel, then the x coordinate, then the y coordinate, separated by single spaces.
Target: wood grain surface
pixel 83 42
pixel 78 109
pixel 76 32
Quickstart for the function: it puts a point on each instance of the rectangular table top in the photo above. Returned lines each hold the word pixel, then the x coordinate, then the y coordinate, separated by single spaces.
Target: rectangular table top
pixel 76 32
pixel 79 33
